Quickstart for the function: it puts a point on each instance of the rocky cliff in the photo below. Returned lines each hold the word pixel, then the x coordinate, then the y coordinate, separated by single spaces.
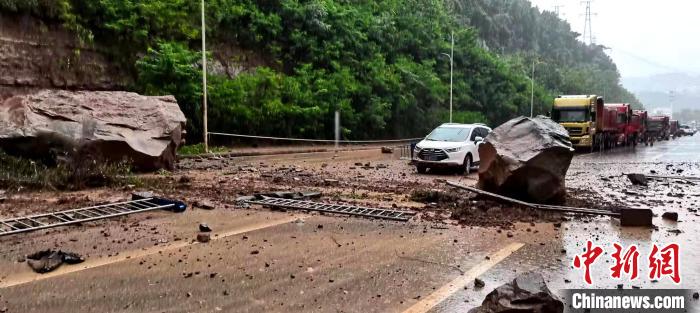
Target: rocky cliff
pixel 36 55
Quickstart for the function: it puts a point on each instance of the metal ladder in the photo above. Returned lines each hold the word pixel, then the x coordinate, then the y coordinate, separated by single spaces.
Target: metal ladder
pixel 87 214
pixel 395 215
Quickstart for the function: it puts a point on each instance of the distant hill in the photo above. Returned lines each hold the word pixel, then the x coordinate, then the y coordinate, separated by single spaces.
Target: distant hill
pixel 655 90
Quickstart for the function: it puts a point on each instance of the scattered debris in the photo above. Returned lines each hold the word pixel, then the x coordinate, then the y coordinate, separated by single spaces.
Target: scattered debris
pixel 526 293
pixel 628 216
pixel 297 195
pixel 204 237
pixel 334 208
pixel 205 205
pixel 526 158
pixel 331 182
pixel 674 177
pixel 672 216
pixel 478 283
pixel 49 260
pixel 387 150
pixel 637 179
pixel 203 227
pixel 138 204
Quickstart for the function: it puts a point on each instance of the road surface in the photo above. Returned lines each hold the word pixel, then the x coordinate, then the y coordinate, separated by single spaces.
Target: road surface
pixel 269 261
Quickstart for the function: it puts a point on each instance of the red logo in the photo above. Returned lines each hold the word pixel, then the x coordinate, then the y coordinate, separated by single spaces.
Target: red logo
pixel 589 257
pixel 662 261
pixel 626 264
pixel 667 265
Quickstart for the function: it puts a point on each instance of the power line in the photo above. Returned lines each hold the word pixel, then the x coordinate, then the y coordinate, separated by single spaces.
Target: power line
pixel 557 9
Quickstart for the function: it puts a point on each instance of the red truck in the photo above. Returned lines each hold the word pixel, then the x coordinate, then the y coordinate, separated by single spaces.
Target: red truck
pixel 611 128
pixel 622 122
pixel 638 127
pixel 658 127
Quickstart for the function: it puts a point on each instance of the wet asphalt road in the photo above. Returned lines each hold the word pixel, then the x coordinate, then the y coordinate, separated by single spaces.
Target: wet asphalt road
pixel 261 261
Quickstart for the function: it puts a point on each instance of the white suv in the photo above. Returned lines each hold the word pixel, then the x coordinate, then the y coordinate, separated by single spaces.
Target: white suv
pixel 450 145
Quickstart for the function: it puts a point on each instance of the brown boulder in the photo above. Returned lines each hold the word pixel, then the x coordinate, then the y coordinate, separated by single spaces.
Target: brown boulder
pixel 111 125
pixel 526 158
pixel 527 293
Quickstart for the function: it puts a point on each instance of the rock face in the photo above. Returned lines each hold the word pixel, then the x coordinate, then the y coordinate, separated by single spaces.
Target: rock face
pixel 526 158
pixel 36 55
pixel 110 126
pixel 526 293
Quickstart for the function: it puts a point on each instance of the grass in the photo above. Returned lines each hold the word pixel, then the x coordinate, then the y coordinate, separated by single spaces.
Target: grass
pixel 199 149
pixel 20 173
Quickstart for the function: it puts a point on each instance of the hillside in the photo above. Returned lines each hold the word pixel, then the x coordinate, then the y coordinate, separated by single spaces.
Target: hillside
pixel 282 67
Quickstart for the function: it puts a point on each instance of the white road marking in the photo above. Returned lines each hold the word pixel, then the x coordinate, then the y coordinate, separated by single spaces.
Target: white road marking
pixel 458 283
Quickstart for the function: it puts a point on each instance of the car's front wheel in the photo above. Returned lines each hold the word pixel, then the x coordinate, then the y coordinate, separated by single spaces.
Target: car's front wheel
pixel 467 165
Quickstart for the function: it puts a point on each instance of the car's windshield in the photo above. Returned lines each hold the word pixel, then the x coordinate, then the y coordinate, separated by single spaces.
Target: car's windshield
pixel 451 134
pixel 570 115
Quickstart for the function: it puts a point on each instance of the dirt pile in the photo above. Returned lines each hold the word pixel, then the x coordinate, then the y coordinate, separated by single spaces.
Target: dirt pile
pixel 527 159
pixel 95 125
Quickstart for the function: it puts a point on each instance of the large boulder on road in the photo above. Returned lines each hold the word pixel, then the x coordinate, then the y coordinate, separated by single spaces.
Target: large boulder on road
pixel 527 293
pixel 109 125
pixel 526 158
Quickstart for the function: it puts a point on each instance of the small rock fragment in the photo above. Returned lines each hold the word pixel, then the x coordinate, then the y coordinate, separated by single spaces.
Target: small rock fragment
pixel 673 216
pixel 203 237
pixel 637 179
pixel 478 283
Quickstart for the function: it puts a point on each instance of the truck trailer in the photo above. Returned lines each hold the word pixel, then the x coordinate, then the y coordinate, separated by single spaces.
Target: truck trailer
pixel 658 127
pixel 638 127
pixel 622 122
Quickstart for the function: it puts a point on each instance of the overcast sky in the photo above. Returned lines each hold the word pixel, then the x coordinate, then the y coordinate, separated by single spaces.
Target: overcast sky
pixel 646 37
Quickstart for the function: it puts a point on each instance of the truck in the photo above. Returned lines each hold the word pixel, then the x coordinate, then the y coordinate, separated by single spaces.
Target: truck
pixel 675 129
pixel 622 121
pixel 587 120
pixel 638 127
pixel 658 127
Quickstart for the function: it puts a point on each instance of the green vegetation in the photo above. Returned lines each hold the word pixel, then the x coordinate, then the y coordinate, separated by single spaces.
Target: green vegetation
pixel 16 173
pixel 565 65
pixel 379 63
pixel 197 149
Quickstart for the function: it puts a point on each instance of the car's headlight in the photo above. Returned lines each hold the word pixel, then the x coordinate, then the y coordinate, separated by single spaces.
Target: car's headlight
pixel 416 149
pixel 451 150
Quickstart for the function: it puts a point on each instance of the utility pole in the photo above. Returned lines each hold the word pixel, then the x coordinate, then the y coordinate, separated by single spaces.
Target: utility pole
pixel 532 86
pixel 532 89
pixel 671 98
pixel 452 63
pixel 204 82
pixel 451 56
pixel 587 29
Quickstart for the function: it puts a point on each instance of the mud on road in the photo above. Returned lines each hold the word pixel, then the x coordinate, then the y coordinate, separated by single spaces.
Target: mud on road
pixel 263 260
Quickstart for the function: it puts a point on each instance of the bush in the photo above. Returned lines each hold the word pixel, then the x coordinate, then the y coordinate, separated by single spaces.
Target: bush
pixel 75 173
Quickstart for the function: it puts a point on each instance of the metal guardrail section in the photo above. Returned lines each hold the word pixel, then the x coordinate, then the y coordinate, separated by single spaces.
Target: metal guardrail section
pixel 395 215
pixel 87 214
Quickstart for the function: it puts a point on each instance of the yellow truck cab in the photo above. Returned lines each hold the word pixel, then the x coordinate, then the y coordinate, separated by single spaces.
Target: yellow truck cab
pixel 578 115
